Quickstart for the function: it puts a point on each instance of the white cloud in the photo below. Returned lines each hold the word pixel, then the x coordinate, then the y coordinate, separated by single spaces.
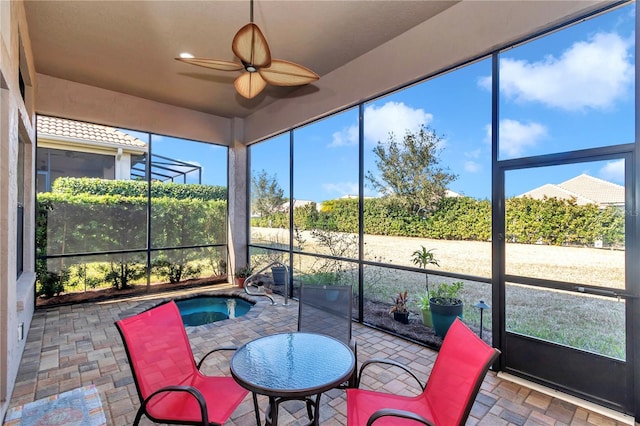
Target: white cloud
pixel 590 74
pixel 613 171
pixel 473 154
pixel 341 188
pixel 485 82
pixel 392 117
pixel 472 166
pixel 517 137
pixel 345 137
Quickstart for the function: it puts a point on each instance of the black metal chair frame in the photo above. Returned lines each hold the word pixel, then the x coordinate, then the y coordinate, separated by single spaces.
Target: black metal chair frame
pixel 335 311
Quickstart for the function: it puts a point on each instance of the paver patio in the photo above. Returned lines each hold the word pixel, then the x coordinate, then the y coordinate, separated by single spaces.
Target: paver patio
pixel 77 345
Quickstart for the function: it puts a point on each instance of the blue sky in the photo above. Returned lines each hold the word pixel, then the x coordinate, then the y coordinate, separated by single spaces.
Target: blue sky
pixel 569 90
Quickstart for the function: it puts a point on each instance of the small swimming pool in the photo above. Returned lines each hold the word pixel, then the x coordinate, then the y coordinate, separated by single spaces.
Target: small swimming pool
pixel 202 310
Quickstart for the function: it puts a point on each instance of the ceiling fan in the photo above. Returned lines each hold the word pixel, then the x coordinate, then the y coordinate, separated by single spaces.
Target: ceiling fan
pixel 250 46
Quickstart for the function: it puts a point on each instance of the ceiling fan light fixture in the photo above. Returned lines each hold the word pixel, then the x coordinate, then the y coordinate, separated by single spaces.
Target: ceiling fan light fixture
pixel 251 47
pixel 186 55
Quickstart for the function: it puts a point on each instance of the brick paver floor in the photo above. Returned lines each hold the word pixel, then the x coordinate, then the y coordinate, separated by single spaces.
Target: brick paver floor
pixel 73 346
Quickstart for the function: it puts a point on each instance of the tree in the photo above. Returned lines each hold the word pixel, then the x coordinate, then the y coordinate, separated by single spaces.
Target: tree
pixel 410 171
pixel 266 194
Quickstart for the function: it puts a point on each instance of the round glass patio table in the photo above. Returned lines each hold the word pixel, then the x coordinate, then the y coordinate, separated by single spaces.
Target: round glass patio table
pixel 290 366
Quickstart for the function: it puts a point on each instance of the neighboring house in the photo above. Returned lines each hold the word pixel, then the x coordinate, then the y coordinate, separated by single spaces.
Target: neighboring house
pixel 69 148
pixel 298 203
pixel 76 149
pixel 585 189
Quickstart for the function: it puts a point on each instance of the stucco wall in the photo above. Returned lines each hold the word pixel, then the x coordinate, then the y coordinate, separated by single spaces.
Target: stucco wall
pixel 16 121
pixel 67 99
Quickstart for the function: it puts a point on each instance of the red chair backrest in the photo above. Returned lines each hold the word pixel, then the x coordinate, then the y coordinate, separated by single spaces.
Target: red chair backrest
pixel 158 348
pixel 457 374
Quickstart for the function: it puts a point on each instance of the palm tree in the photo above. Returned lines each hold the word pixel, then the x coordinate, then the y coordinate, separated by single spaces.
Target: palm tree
pixel 423 258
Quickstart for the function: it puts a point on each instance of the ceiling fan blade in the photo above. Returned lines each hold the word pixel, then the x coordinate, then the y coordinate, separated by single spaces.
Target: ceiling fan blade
pixel 249 84
pixel 285 73
pixel 251 47
pixel 212 63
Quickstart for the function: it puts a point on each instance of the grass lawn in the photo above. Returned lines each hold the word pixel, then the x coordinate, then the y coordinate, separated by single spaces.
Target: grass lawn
pixel 591 323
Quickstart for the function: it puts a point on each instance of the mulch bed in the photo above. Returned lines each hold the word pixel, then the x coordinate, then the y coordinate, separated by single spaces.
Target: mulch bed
pixel 377 314
pixel 138 290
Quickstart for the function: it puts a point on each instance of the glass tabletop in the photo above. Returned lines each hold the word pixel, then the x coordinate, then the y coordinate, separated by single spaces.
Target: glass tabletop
pixel 292 364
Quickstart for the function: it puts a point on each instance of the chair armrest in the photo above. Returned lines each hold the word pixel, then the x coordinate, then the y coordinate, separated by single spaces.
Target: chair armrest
pixel 188 389
pixel 386 412
pixel 212 351
pixel 391 363
pixel 353 380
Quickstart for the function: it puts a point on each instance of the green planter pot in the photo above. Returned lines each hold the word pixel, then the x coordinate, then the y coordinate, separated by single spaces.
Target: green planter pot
pixel 426 318
pixel 444 315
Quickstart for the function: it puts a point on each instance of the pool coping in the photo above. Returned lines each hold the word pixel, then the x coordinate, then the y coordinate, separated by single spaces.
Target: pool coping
pixel 255 311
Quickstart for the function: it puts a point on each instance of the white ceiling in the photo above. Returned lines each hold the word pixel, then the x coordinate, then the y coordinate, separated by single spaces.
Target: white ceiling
pixel 129 46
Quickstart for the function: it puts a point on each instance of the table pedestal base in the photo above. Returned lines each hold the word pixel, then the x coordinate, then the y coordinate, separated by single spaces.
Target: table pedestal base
pixel 313 409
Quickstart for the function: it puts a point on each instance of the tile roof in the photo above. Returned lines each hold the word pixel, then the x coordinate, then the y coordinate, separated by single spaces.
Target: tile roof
pixel 80 131
pixel 554 191
pixel 586 189
pixel 599 190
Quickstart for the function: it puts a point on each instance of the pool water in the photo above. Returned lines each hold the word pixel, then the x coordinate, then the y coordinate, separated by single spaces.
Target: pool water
pixel 207 309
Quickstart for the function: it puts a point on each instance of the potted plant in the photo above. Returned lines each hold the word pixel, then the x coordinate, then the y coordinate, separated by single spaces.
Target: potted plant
pixel 423 258
pixel 445 306
pixel 424 305
pixel 242 273
pixel 399 309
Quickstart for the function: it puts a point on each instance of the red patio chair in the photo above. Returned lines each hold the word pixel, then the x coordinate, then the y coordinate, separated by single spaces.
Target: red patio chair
pixel 170 385
pixel 451 389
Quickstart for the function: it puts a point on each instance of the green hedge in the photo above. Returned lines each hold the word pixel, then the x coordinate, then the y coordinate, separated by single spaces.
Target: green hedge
pixel 562 222
pixel 138 188
pixel 92 223
pixel 528 221
pixel 69 221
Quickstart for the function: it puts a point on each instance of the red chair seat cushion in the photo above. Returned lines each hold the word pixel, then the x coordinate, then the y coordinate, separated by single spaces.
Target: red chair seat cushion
pixel 222 395
pixel 361 404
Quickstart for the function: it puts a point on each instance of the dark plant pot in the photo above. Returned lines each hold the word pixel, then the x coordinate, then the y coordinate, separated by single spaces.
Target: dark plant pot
pixel 279 275
pixel 443 316
pixel 240 281
pixel 402 317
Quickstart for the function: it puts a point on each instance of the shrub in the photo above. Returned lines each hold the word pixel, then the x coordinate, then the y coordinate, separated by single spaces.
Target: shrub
pixel 94 215
pixel 138 188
